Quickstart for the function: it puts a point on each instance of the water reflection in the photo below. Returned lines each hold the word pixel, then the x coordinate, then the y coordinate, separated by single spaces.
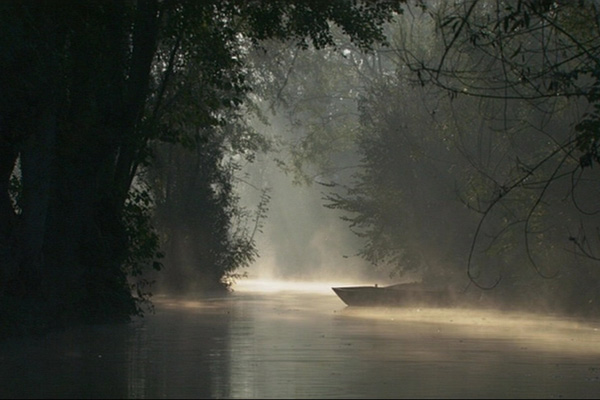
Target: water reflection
pixel 73 364
pixel 297 343
pixel 180 351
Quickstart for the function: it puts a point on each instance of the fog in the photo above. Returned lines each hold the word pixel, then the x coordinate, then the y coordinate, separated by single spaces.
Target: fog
pixel 303 343
pixel 392 166
pixel 178 211
pixel 301 240
pixel 445 182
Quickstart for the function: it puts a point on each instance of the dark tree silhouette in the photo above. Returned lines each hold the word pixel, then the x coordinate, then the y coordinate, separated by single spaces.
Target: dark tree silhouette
pixel 87 88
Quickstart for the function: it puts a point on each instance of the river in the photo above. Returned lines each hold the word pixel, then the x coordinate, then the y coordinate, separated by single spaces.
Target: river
pixel 301 341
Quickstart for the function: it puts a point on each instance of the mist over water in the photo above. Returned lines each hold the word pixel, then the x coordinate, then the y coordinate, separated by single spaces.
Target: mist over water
pixel 302 240
pixel 295 340
pixel 450 182
pixel 293 337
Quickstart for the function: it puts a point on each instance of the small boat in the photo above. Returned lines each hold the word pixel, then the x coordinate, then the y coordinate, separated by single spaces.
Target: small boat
pixel 401 294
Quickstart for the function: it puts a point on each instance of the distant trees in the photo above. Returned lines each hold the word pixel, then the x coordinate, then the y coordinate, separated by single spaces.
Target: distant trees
pixel 536 64
pixel 403 201
pixel 478 135
pixel 87 89
pixel 521 81
pixel 364 134
pixel 206 236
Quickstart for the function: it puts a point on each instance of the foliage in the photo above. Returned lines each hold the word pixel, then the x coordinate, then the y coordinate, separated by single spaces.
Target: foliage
pixel 197 211
pixel 315 93
pixel 532 66
pixel 143 244
pixel 508 126
pixel 88 89
pixel 542 57
pixel 402 200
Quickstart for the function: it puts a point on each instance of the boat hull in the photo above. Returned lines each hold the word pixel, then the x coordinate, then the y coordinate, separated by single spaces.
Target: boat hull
pixel 392 296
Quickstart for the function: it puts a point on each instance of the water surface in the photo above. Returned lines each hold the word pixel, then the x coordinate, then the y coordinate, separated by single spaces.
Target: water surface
pixel 303 342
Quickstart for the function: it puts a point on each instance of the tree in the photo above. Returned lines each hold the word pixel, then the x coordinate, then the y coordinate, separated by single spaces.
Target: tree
pixel 536 53
pixel 505 88
pixel 530 71
pixel 207 235
pixel 352 111
pixel 88 88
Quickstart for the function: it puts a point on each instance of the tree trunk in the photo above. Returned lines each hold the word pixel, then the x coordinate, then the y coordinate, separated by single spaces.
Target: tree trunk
pixel 144 41
pixel 8 218
pixel 36 167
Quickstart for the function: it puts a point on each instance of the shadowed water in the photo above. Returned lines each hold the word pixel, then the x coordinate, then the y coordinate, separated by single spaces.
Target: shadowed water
pixel 303 342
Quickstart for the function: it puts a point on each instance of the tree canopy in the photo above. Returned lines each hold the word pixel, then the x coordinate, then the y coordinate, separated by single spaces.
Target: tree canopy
pixel 477 142
pixel 88 88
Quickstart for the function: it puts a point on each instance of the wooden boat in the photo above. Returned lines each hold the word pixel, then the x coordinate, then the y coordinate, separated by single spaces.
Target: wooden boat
pixel 402 294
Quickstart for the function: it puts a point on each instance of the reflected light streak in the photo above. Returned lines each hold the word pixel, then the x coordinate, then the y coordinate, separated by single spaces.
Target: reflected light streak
pixel 273 285
pixel 535 331
pixel 189 303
